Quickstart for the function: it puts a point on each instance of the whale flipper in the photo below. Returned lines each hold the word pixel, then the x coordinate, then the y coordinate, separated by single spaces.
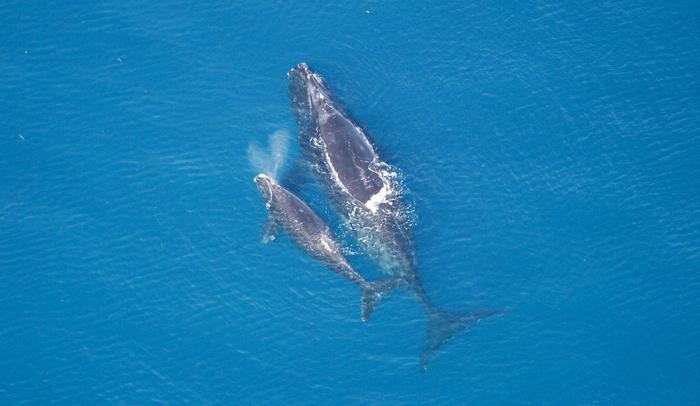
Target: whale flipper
pixel 269 231
pixel 442 327
pixel 372 293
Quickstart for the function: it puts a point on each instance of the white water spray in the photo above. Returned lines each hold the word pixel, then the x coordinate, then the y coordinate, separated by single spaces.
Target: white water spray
pixel 270 160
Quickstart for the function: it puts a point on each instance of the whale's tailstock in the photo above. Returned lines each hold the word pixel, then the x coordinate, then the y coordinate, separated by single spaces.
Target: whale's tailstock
pixel 442 327
pixel 373 292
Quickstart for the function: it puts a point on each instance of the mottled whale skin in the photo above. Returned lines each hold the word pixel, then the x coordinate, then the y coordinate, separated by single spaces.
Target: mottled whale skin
pixel 366 193
pixel 313 235
pixel 361 186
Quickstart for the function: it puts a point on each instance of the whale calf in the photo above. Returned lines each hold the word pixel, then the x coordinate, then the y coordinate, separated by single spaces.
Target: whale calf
pixel 313 235
pixel 366 192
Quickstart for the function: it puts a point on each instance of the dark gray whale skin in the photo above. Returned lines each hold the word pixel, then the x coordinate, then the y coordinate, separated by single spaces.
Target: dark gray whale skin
pixel 313 235
pixel 365 193
pixel 351 171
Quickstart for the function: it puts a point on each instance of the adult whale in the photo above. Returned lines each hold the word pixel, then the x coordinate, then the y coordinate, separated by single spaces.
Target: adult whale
pixel 310 233
pixel 366 193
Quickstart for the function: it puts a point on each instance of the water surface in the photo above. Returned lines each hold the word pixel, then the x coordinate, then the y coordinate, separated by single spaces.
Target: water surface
pixel 551 152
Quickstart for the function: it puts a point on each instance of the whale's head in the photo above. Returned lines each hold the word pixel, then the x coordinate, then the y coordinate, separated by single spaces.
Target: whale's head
pixel 265 186
pixel 307 90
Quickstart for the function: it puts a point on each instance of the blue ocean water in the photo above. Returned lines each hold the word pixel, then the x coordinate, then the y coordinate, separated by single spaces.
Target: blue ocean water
pixel 551 154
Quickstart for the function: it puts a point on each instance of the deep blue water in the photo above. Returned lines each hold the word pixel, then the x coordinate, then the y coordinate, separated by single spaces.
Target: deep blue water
pixel 550 149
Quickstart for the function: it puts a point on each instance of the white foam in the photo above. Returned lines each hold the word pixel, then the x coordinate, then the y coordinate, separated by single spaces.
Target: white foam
pixel 385 193
pixel 326 244
pixel 377 199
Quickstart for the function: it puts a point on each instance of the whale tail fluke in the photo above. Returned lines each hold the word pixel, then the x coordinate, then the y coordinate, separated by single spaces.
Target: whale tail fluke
pixel 442 327
pixel 373 292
